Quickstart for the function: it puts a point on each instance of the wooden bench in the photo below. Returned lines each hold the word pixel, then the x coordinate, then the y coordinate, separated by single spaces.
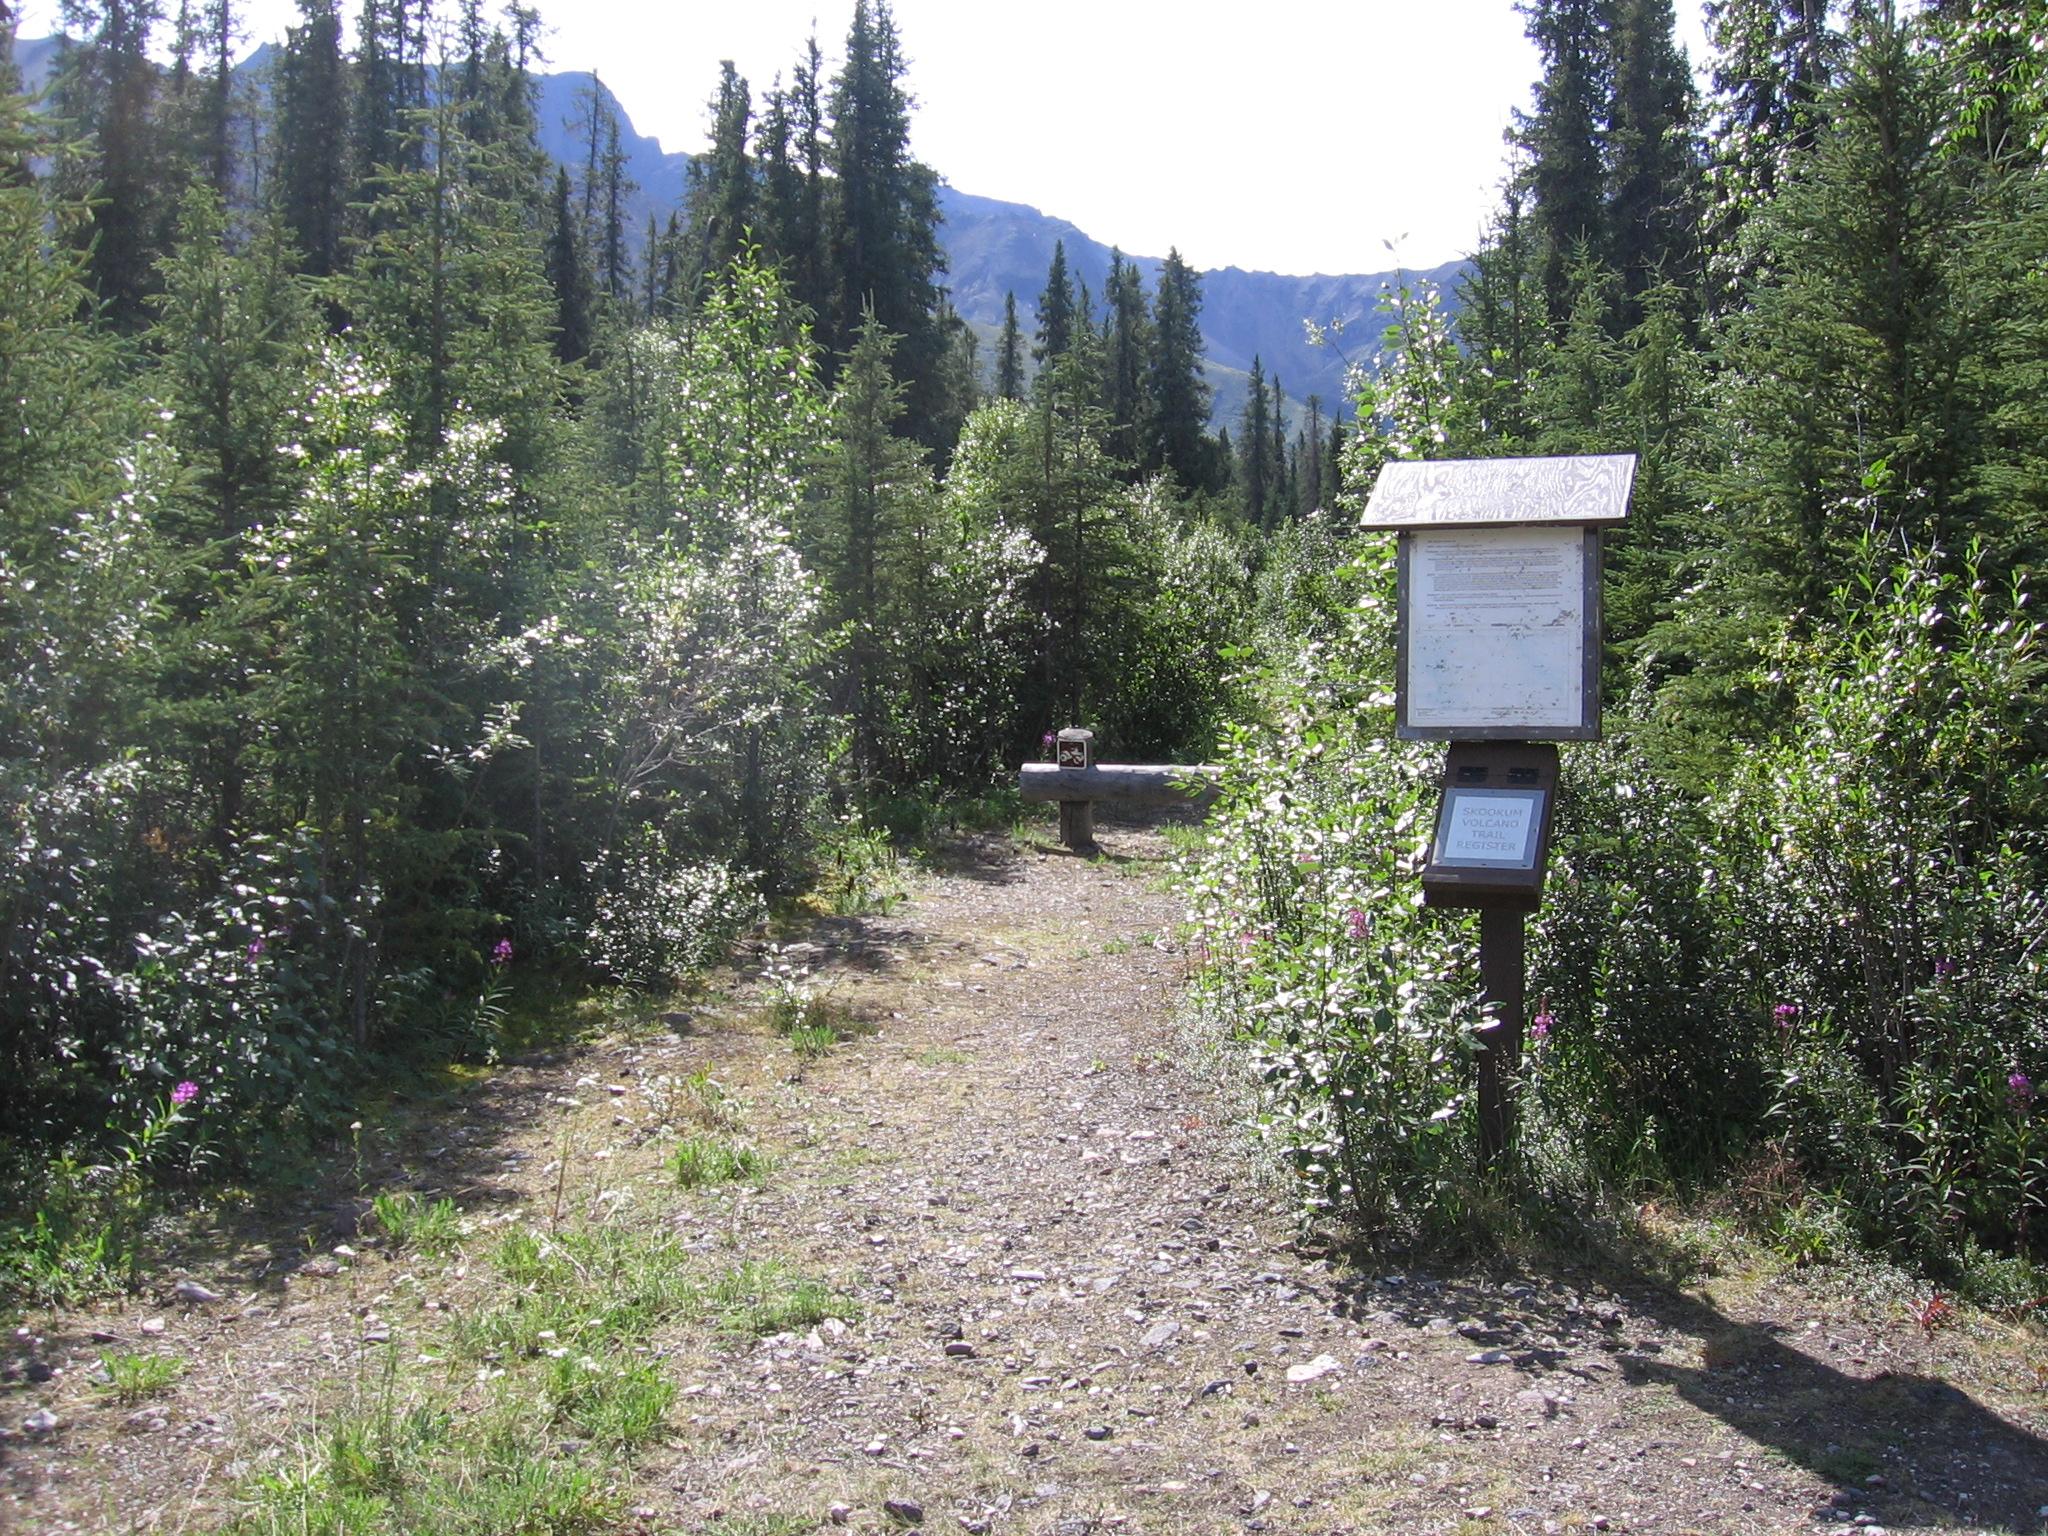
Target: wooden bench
pixel 1077 790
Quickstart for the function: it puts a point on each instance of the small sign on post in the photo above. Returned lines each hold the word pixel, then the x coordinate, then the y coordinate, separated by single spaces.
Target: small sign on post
pixel 1077 817
pixel 1497 651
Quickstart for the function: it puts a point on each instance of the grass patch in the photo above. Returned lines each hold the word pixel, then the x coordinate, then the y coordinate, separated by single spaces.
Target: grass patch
pixel 407 1221
pixel 762 1297
pixel 702 1160
pixel 528 1420
pixel 811 1041
pixel 131 1377
pixel 942 1056
pixel 859 870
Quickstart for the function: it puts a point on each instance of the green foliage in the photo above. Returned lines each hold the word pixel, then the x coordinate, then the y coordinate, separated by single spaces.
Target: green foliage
pixel 1652 1070
pixel 1351 1006
pixel 657 921
pixel 406 1222
pixel 1888 874
pixel 701 1160
pixel 762 1297
pixel 858 868
pixel 131 1377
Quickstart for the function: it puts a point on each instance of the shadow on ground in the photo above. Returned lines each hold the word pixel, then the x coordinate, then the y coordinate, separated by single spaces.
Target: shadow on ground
pixel 1900 1448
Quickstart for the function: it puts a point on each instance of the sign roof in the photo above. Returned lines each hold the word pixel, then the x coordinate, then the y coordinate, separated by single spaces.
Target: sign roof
pixel 1469 493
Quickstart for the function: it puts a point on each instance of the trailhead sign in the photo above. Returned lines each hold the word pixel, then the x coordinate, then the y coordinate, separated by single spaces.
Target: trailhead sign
pixel 1497 651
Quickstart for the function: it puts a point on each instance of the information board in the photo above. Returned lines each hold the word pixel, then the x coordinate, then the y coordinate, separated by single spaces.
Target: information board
pixel 1496 633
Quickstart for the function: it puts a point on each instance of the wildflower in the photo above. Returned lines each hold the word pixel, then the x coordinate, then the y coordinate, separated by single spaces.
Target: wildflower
pixel 1356 923
pixel 501 952
pixel 2019 1092
pixel 1046 740
pixel 1785 1015
pixel 184 1093
pixel 1539 1027
pixel 256 947
pixel 1944 968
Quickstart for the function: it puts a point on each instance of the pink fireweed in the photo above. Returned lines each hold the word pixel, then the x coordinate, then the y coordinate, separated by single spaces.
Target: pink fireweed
pixel 501 952
pixel 1356 923
pixel 2019 1092
pixel 184 1093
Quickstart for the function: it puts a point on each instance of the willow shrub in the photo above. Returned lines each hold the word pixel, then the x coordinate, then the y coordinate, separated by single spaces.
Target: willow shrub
pixel 1883 860
pixel 1352 1008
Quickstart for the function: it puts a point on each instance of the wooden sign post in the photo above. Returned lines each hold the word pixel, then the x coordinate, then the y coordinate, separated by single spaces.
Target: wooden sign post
pixel 1497 651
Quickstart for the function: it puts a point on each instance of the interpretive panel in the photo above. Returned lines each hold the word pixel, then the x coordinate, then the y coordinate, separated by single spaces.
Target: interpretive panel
pixel 1489 828
pixel 1495 632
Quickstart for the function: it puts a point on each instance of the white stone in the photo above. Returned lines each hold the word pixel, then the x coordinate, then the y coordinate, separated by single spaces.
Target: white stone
pixel 1309 1370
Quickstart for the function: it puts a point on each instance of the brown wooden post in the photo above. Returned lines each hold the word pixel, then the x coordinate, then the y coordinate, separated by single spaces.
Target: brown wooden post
pixel 1502 997
pixel 1077 817
pixel 1077 824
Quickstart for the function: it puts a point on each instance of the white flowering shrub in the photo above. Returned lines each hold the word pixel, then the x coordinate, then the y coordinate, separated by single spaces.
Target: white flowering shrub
pixel 1351 1008
pixel 657 919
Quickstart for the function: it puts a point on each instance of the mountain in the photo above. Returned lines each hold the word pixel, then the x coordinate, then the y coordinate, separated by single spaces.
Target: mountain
pixel 994 248
pixel 36 60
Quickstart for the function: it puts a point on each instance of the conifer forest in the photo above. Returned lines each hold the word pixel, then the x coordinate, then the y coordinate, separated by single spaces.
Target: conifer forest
pixel 426 598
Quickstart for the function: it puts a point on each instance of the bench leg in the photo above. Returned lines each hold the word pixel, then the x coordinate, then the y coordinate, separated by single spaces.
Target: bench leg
pixel 1077 824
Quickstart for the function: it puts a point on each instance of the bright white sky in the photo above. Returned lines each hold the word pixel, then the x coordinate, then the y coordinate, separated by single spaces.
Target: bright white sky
pixel 1296 136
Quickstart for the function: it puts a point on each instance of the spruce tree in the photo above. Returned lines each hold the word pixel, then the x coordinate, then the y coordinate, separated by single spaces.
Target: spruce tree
pixel 1056 309
pixel 1773 60
pixel 1859 380
pixel 1010 354
pixel 870 477
pixel 614 266
pixel 1127 344
pixel 1177 414
pixel 216 117
pixel 806 240
pixel 1280 500
pixel 1653 206
pixel 1309 496
pixel 884 216
pixel 568 275
pixel 236 334
pixel 1255 450
pixel 1502 317
pixel 722 182
pixel 107 87
pixel 1563 136
pixel 313 176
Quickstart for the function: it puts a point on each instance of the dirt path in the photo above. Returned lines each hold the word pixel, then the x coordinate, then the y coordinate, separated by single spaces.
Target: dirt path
pixel 1066 1303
